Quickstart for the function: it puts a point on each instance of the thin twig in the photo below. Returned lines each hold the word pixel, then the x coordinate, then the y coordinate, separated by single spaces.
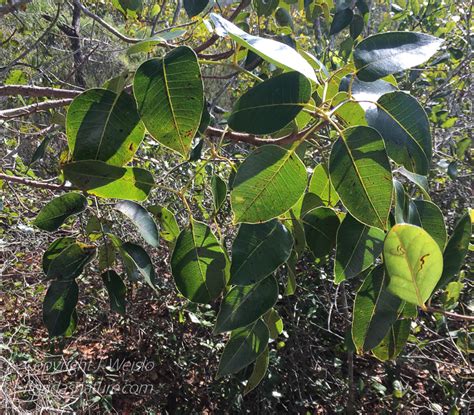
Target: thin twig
pixel 33 183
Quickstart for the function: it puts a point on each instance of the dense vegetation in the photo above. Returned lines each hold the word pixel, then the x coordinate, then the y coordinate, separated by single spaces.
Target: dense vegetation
pixel 257 206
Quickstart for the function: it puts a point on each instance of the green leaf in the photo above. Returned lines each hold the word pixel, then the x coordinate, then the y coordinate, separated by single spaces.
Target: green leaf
pixel 41 149
pixel 147 45
pixel 106 256
pixel 456 250
pixel 243 348
pixel 103 125
pixel 357 248
pixel 194 7
pixel 348 111
pixel 268 183
pixel 141 262
pixel 279 54
pixel 360 172
pixel 169 227
pixel 387 53
pixel 53 215
pixel 258 250
pixel 401 202
pixel 199 264
pixel 142 220
pixel 320 184
pixel 170 98
pixel 219 191
pixel 258 373
pixel 274 323
pixel 375 311
pixel 265 7
pixel 70 262
pixel 243 305
pixel 430 218
pixel 419 180
pixel 58 305
pixel 357 26
pixel 341 20
pixel 72 324
pixel 394 342
pixel 270 105
pixel 413 261
pixel 320 228
pixel 404 127
pixel 54 249
pixel 117 291
pixel 104 180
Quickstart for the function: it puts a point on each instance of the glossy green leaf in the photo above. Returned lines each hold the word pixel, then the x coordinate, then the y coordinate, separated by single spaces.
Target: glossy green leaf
pixel 265 7
pixel 274 323
pixel 258 250
pixel 291 283
pixel 53 215
pixel 41 149
pixel 357 248
pixel 219 192
pixel 103 125
pixel 387 53
pixel 413 261
pixel 141 219
pixel 141 262
pixel 169 228
pixel 320 184
pixel 456 250
pixel 199 264
pixel 194 7
pixel 320 228
pixel 349 112
pixel 268 183
pixel 170 99
pixel 116 290
pixel 401 202
pixel 419 180
pixel 258 373
pixel 404 127
pixel 104 180
pixel 243 305
pixel 357 26
pixel 375 311
pixel 72 324
pixel 270 105
pixel 341 20
pixel 394 342
pixel 243 348
pixel 430 218
pixel 54 249
pixel 70 262
pixel 58 305
pixel 279 54
pixel 360 172
pixel 147 45
pixel 106 256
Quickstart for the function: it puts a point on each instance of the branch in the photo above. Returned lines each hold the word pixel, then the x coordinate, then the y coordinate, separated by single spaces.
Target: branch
pixel 33 183
pixel 33 108
pixel 37 91
pixel 454 316
pixel 13 6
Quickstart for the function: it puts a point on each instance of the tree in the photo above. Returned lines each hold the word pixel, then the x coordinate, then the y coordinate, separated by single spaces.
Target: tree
pixel 302 105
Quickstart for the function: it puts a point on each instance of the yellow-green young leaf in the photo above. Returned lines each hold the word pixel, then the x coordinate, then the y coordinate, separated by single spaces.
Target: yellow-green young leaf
pixel 320 184
pixel 199 264
pixel 116 290
pixel 258 250
pixel 54 249
pixel 271 105
pixel 141 219
pixel 243 305
pixel 169 226
pixel 170 98
pixel 349 112
pixel 258 373
pixel 413 261
pixel 281 55
pixel 375 310
pixel 360 172
pixel 387 53
pixel 53 215
pixel 427 215
pixel 219 192
pixel 70 262
pixel 357 248
pixel 58 305
pixel 394 341
pixel 456 250
pixel 104 180
pixel 405 129
pixel 243 348
pixel 103 125
pixel 268 183
pixel 320 228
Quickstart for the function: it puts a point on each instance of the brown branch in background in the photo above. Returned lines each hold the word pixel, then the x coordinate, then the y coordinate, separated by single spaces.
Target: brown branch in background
pixel 450 314
pixel 33 183
pixel 37 91
pixel 33 108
